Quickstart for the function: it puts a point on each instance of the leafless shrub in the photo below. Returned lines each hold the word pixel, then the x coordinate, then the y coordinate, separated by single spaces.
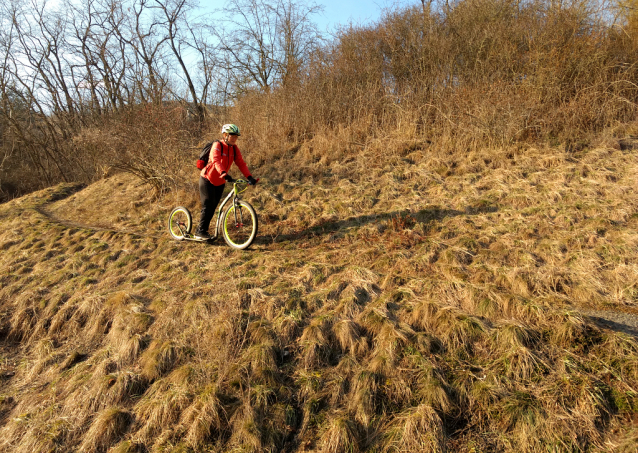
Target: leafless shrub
pixel 483 73
pixel 153 142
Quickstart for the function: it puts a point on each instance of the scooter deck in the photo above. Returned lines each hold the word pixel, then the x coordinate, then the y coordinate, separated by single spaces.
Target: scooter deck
pixel 190 237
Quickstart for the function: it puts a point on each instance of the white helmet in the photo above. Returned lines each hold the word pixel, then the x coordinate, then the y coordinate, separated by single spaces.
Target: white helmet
pixel 230 129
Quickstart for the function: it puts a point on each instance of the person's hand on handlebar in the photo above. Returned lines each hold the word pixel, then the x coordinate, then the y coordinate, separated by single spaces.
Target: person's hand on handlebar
pixel 252 181
pixel 229 178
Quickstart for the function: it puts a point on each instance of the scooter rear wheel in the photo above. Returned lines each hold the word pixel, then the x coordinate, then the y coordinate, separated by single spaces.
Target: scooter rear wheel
pixel 180 222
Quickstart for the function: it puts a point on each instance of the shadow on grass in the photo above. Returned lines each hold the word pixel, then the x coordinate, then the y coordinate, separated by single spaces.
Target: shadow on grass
pixel 617 321
pixel 426 216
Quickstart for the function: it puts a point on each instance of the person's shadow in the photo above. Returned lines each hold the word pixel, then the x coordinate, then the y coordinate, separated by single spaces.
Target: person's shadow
pixel 406 218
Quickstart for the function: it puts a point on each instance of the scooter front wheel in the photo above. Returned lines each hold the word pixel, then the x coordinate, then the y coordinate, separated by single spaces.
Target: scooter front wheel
pixel 239 225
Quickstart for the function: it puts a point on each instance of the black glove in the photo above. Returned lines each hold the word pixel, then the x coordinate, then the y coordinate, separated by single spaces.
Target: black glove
pixel 252 181
pixel 228 178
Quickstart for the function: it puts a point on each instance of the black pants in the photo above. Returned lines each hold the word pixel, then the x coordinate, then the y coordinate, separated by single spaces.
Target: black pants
pixel 210 196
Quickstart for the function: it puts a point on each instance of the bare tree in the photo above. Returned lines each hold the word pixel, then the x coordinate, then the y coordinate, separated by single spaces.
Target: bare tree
pixel 147 41
pixel 297 37
pixel 249 42
pixel 64 66
pixel 176 14
pixel 265 42
pixel 7 35
pixel 82 24
pixel 39 71
pixel 208 68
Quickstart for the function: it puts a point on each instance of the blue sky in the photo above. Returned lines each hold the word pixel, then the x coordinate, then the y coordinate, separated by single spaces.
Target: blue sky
pixel 338 13
pixel 359 12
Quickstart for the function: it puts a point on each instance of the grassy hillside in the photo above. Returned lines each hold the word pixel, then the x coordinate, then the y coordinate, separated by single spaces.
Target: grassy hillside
pixel 397 300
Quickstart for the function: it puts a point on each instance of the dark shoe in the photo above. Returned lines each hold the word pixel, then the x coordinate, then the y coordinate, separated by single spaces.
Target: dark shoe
pixel 202 236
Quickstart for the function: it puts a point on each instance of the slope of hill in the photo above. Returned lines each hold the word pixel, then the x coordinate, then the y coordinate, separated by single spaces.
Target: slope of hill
pixel 403 302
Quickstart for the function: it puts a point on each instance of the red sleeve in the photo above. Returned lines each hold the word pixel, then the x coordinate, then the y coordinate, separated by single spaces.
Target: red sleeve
pixel 239 160
pixel 216 157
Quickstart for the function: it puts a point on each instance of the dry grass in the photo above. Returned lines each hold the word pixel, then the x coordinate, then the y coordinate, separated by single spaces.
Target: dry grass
pixel 161 408
pixel 416 429
pixel 108 427
pixel 432 299
pixel 340 436
pixel 205 418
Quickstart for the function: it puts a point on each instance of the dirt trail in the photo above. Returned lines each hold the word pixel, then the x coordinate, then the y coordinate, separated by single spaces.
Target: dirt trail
pixel 73 224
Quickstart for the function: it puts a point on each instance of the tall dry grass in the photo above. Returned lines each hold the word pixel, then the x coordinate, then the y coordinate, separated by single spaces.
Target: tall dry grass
pixel 477 74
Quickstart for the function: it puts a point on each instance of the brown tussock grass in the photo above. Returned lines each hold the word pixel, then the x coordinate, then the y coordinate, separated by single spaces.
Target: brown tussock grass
pixel 246 428
pixel 129 446
pixel 415 429
pixel 108 428
pixel 315 342
pixel 160 358
pixel 204 418
pixel 340 435
pixel 160 408
pixel 260 361
pixel 363 401
pixel 129 320
pixel 348 335
pixel 457 329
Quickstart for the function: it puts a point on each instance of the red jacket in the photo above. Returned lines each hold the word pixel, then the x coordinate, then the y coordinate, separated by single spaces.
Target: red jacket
pixel 220 160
